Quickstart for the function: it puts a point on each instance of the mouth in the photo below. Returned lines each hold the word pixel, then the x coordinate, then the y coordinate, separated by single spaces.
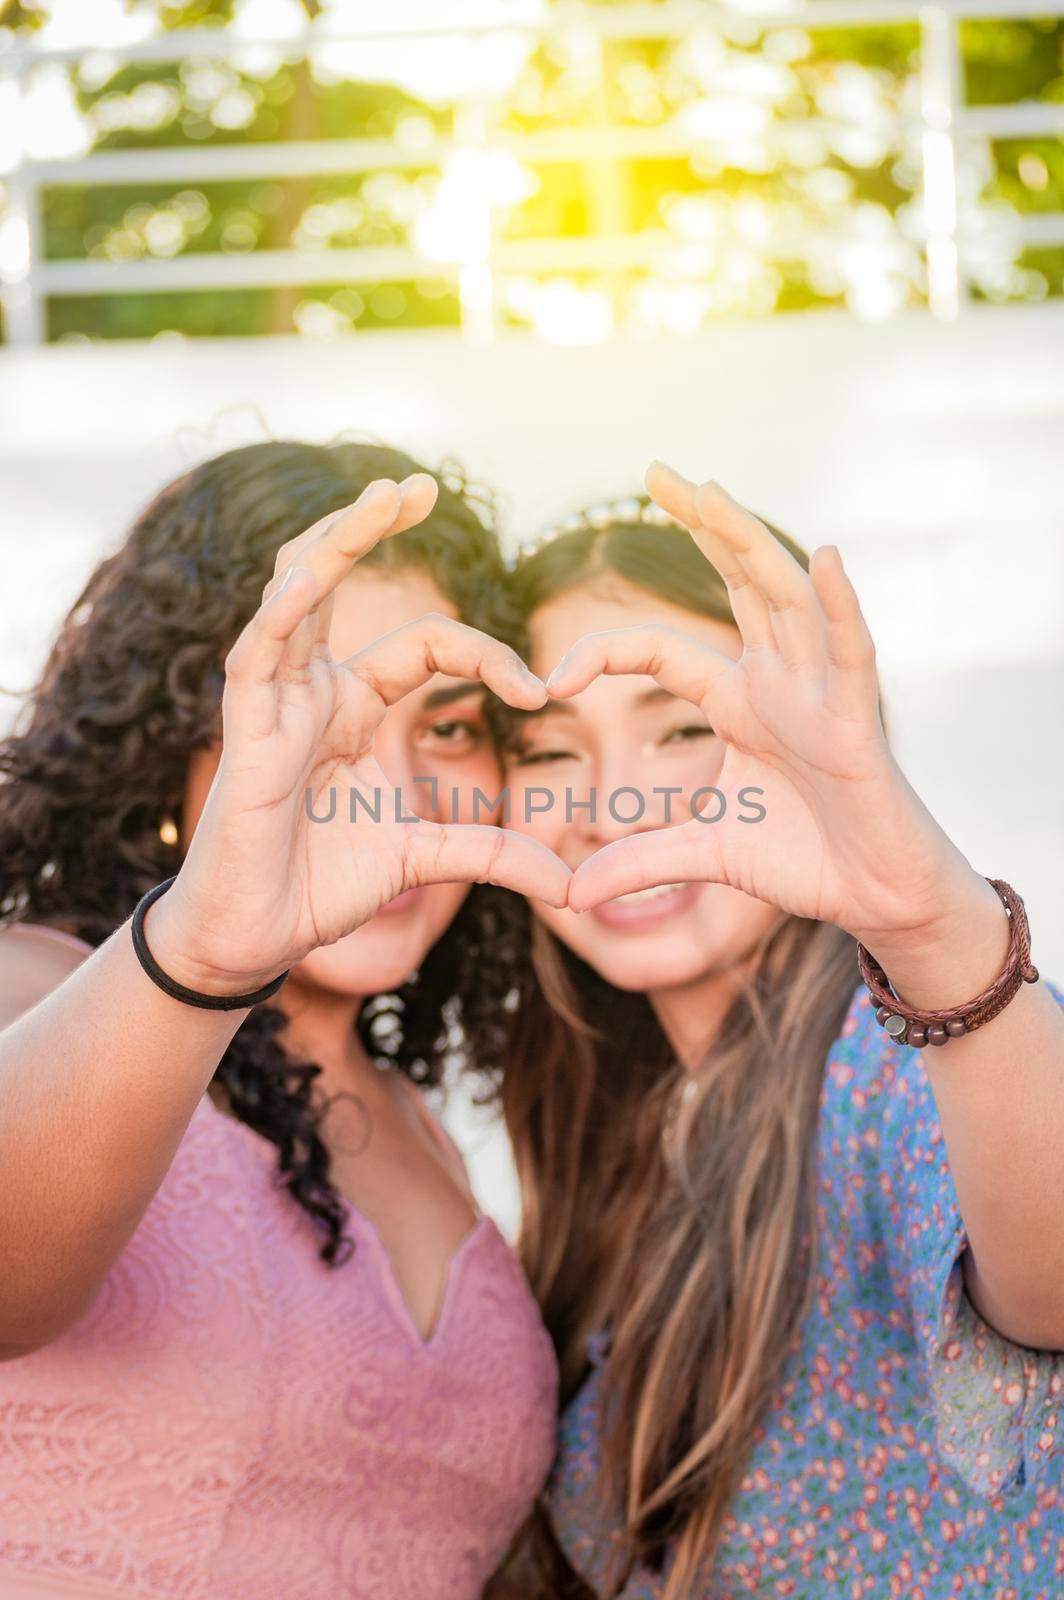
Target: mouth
pixel 644 908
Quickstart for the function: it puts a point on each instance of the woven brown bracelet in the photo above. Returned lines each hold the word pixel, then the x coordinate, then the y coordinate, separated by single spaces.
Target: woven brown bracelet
pixel 909 1025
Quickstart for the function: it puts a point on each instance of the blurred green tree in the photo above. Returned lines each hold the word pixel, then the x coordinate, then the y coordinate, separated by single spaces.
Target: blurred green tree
pixel 784 177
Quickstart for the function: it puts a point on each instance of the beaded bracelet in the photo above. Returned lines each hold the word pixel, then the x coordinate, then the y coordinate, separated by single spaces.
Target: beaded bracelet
pixel 909 1025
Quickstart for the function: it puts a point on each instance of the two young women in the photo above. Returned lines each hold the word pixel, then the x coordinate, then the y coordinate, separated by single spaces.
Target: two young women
pixel 751 1220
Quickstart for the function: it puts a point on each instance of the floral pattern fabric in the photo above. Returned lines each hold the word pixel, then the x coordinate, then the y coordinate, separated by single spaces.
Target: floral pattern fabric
pixel 910 1452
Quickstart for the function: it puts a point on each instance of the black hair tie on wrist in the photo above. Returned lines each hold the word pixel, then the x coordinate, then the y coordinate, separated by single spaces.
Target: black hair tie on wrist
pixel 191 997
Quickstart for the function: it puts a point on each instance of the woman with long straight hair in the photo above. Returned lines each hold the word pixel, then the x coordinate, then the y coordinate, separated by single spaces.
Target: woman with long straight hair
pixel 794 1221
pixel 258 1342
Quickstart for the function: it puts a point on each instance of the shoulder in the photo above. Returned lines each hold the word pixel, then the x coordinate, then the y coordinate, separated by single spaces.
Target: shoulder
pixel 35 958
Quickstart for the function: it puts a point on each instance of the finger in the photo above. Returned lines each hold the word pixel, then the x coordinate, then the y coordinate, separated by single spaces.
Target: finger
pixel 352 533
pixel 785 588
pixel 683 665
pixel 480 853
pixel 850 689
pixel 287 556
pixel 251 666
pixel 676 495
pixel 306 634
pixel 301 645
pixel 410 655
pixel 416 498
pixel 418 495
pixel 672 491
pixel 323 627
pixel 689 853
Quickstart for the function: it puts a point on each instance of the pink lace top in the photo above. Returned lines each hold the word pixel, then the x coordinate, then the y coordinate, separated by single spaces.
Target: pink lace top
pixel 234 1420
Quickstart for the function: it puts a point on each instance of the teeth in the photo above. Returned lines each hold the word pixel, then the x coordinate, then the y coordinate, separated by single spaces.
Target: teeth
pixel 648 894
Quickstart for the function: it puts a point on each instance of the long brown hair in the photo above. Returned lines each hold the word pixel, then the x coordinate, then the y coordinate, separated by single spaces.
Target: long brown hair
pixel 133 685
pixel 695 1252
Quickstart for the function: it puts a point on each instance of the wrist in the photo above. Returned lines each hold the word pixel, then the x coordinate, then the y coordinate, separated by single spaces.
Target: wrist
pixel 176 943
pixel 958 956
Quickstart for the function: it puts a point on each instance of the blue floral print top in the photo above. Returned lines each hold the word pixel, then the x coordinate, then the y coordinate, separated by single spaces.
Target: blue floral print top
pixel 910 1451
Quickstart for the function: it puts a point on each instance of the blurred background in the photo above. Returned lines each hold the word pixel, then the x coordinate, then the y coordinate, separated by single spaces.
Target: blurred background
pixel 813 250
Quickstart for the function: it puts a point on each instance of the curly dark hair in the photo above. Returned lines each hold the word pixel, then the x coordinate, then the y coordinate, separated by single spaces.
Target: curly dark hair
pixel 133 685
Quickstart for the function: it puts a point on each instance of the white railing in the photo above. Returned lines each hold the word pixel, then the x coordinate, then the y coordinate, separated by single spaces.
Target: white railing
pixel 942 124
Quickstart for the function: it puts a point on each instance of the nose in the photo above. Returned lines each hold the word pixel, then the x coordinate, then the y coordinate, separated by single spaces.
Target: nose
pixel 417 798
pixel 616 799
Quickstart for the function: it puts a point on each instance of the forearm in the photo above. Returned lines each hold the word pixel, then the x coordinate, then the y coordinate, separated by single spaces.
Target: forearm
pixel 98 1082
pixel 1000 1098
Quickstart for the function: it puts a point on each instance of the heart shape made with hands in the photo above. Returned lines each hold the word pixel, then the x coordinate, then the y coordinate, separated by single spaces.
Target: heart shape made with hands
pixel 843 837
pixel 409 851
pixel 262 885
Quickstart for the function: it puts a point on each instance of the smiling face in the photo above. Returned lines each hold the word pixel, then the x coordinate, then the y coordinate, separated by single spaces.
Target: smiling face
pixel 626 733
pixel 437 731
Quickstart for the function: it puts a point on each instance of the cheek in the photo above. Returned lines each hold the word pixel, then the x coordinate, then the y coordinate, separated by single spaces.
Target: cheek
pixel 466 784
pixel 574 931
pixel 690 769
pixel 537 807
pixel 441 906
pixel 481 765
pixel 382 954
pixel 635 966
pixel 730 922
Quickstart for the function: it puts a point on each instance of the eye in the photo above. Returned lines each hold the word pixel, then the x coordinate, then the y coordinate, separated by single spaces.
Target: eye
pixel 535 758
pixel 456 733
pixel 691 730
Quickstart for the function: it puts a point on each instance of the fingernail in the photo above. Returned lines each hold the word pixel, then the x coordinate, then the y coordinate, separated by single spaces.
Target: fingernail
pixel 531 679
pixel 374 490
pixel 556 675
pixel 413 478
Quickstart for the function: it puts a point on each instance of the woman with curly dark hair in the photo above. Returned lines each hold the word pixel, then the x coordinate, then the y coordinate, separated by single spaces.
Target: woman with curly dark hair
pixel 258 1340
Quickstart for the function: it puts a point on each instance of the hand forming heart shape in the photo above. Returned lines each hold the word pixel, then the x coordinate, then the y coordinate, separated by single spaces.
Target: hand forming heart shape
pixel 844 838
pixel 262 885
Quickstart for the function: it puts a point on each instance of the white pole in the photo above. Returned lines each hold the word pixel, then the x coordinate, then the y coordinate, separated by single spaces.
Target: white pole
pixel 20 242
pixel 940 70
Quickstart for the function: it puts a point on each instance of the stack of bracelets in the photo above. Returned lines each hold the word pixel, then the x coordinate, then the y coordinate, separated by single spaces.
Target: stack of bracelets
pixel 908 1025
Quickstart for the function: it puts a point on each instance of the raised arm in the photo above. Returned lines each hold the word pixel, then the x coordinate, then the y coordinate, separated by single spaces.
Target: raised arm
pixel 845 839
pixel 99 1078
pixel 100 1072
